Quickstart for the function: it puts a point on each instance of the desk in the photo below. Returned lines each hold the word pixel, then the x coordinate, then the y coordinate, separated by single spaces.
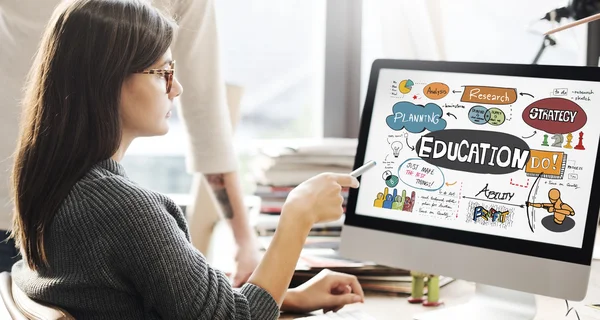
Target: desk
pixel 386 307
pixel 457 292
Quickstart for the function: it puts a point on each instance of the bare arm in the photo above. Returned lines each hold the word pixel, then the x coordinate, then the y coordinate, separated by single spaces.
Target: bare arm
pixel 279 262
pixel 228 191
pixel 318 199
pixel 275 271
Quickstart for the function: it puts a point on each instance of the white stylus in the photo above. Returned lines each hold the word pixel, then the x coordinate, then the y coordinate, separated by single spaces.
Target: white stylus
pixel 367 166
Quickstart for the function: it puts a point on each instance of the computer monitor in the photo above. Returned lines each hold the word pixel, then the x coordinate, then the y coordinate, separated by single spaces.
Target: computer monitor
pixel 486 173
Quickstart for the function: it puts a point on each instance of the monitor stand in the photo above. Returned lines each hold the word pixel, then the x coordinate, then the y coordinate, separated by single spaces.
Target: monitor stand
pixel 489 303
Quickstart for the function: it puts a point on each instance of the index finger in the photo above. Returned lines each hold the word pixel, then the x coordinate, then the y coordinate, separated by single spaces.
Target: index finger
pixel 345 180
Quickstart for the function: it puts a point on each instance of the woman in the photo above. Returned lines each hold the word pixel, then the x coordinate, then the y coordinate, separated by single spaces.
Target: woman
pixel 97 244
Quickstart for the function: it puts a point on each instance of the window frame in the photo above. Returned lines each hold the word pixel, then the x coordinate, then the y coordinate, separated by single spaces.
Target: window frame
pixel 342 86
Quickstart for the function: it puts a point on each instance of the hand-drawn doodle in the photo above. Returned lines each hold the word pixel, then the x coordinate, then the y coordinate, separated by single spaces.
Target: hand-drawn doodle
pixel 419 174
pixel 555 115
pixel 560 92
pixel 396 148
pixel 405 86
pixel 560 212
pixel 474 151
pixel 478 115
pixel 569 140
pixel 525 185
pixel 489 215
pixel 436 90
pixel 580 146
pixel 416 118
pixel 558 140
pixel 390 179
pixel 531 213
pixel 550 164
pixel 393 201
pixel 489 95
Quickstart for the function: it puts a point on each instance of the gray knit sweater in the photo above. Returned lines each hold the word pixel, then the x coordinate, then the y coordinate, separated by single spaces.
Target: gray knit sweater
pixel 119 251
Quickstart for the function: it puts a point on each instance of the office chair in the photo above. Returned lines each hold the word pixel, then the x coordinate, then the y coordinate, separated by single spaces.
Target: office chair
pixel 19 306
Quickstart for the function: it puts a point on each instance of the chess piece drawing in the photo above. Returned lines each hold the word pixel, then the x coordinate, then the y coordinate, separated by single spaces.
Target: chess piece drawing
pixel 580 146
pixel 569 139
pixel 545 143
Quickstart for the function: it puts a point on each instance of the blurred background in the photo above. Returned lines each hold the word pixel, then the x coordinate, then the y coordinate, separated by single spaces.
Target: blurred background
pixel 304 64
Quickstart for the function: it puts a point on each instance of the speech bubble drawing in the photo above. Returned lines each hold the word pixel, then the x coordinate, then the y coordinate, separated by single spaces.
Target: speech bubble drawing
pixel 489 95
pixel 416 118
pixel 421 175
pixel 475 151
pixel 436 90
pixel 550 164
pixel 555 115
pixel 496 116
pixel 477 115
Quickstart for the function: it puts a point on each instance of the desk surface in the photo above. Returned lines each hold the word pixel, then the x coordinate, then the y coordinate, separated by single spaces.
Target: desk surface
pixel 457 292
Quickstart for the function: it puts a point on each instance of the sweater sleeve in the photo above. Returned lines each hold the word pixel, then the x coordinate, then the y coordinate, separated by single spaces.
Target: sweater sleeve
pixel 203 108
pixel 151 250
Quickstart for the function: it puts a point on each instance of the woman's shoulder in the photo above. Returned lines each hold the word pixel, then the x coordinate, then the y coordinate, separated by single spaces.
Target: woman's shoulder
pixel 107 190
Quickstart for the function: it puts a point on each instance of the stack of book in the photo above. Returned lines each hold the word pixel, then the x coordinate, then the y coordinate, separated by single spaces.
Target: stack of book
pixel 288 163
pixel 322 253
pixel 282 165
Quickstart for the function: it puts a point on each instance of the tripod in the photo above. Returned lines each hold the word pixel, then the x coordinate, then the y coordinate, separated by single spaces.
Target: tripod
pixel 548 42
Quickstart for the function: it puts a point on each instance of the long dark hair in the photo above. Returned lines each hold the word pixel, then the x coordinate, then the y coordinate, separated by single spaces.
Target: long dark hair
pixel 70 117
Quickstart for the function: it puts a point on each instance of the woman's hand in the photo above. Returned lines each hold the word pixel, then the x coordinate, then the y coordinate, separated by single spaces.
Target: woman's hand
pixel 318 199
pixel 246 261
pixel 328 290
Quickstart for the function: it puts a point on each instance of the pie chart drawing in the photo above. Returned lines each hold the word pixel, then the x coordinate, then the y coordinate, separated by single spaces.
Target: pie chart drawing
pixel 405 86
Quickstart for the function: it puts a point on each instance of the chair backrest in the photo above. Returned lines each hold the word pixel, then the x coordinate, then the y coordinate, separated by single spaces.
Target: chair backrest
pixel 20 306
pixel 8 309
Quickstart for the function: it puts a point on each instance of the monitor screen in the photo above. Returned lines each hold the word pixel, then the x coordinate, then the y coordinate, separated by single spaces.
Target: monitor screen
pixel 496 156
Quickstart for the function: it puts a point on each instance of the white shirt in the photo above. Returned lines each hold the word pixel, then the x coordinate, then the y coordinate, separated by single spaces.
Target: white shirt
pixel 196 49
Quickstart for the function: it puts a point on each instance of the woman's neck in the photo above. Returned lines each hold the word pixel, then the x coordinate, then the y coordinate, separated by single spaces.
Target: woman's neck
pixel 125 142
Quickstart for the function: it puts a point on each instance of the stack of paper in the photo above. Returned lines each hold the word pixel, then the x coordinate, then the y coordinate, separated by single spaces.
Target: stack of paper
pixel 291 162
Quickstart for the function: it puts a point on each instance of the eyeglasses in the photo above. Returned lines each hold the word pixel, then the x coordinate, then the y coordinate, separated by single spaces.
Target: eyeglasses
pixel 167 73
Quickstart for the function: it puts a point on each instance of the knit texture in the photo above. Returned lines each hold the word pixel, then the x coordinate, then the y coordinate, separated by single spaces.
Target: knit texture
pixel 119 251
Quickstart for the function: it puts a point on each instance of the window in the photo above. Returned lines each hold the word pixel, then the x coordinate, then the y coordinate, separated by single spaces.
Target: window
pixel 508 31
pixel 275 51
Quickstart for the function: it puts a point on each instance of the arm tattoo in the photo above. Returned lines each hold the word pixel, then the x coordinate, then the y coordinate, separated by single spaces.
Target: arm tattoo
pixel 217 182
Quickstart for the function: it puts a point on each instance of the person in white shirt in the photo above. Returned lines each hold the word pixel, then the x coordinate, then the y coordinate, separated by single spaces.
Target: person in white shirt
pixel 203 109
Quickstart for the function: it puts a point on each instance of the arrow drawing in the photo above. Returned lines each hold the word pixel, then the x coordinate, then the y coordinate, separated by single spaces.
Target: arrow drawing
pixel 454 91
pixel 450 184
pixel 519 185
pixel 411 148
pixel 498 202
pixel 451 115
pixel 526 94
pixel 534 132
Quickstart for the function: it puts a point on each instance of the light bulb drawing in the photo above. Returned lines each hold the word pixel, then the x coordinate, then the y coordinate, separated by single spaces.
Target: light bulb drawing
pixel 396 148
